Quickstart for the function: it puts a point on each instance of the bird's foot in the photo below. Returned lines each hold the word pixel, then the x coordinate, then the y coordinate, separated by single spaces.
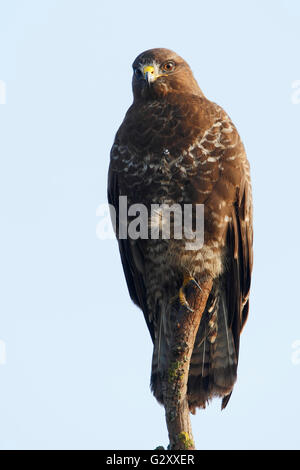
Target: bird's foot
pixel 182 299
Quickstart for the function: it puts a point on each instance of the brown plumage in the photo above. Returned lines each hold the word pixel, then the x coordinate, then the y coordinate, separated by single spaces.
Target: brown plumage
pixel 176 146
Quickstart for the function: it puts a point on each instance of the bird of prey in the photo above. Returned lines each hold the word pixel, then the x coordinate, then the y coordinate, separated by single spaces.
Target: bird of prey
pixel 175 146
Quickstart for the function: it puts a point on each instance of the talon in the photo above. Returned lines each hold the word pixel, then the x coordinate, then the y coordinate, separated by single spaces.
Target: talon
pixel 186 280
pixel 181 295
pixel 183 300
pixel 196 283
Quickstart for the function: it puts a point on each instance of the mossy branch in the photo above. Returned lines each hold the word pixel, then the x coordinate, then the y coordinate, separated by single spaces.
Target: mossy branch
pixel 176 375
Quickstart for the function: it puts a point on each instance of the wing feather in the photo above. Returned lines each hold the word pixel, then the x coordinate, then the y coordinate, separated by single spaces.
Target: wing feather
pixel 129 256
pixel 240 256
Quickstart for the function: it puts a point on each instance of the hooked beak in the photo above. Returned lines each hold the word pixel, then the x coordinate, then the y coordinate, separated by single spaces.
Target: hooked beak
pixel 149 74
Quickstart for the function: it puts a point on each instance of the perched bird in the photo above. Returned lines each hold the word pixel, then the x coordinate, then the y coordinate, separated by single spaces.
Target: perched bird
pixel 177 147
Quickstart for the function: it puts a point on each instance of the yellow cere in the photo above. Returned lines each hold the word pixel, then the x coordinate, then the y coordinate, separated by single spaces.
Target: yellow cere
pixel 148 68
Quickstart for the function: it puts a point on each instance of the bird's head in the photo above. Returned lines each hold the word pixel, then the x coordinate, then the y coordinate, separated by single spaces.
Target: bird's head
pixel 158 72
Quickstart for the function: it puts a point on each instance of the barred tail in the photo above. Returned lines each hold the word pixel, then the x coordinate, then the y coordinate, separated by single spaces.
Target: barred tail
pixel 213 367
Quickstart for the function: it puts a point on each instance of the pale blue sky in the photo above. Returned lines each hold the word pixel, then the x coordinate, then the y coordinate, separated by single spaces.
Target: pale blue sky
pixel 78 353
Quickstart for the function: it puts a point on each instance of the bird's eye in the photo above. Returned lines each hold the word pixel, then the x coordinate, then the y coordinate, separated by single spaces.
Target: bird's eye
pixel 138 73
pixel 168 66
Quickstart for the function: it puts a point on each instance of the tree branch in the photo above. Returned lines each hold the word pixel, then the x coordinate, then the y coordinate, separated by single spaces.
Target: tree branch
pixel 176 375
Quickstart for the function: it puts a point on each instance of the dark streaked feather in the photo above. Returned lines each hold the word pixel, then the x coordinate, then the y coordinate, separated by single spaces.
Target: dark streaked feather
pixel 134 277
pixel 214 366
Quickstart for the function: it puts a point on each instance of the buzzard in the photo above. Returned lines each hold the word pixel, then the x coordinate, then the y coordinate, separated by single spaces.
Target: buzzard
pixel 177 147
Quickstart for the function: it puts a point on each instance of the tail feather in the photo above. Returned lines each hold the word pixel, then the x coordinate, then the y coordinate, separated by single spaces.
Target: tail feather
pixel 160 351
pixel 213 367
